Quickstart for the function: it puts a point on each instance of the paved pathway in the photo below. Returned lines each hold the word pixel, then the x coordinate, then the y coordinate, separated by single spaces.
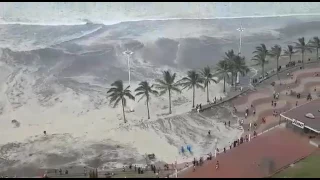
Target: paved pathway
pixel 258 158
pixel 235 162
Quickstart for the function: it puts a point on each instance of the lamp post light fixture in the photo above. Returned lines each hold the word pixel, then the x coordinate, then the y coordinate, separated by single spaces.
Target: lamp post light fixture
pixel 128 54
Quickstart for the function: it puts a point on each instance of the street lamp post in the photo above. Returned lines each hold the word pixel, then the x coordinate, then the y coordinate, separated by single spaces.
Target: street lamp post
pixel 240 29
pixel 128 54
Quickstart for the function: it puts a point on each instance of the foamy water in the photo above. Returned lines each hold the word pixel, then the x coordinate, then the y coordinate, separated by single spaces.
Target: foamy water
pixel 75 125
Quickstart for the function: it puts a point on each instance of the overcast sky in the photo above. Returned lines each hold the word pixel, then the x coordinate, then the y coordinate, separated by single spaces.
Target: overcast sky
pixel 72 12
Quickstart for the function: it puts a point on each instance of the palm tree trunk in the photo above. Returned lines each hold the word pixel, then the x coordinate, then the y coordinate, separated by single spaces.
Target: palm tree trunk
pixel 277 64
pixel 208 92
pixel 124 115
pixel 193 95
pixel 224 83
pixel 290 58
pixel 148 108
pixel 262 70
pixel 235 81
pixel 278 68
pixel 169 101
pixel 232 76
pixel 302 54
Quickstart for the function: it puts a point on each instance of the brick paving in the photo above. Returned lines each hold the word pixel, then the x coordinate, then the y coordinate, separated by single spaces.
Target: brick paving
pixel 258 158
pixel 279 146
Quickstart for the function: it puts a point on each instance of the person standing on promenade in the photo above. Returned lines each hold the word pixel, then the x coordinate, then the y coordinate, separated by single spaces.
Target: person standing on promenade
pixel 217 165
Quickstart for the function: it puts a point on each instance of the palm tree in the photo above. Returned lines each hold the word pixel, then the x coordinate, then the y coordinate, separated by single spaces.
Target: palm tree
pixel 301 46
pixel 167 84
pixel 276 53
pixel 289 52
pixel 207 78
pixel 229 57
pixel 193 80
pixel 239 65
pixel 117 93
pixel 145 90
pixel 222 68
pixel 261 53
pixel 315 43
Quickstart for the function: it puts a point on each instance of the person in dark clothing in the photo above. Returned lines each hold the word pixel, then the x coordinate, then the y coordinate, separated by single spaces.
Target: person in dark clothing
pixel 229 123
pixel 139 170
pixel 224 150
pixel 66 172
pixel 60 171
pixel 225 123
pixel 45 132
pixel 209 132
pixel 275 104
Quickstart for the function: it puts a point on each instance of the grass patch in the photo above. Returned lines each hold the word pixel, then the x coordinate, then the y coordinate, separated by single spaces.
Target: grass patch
pixel 307 168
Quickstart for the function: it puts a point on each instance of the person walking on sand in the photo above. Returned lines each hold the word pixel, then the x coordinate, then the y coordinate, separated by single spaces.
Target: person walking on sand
pixel 296 103
pixel 254 112
pixel 272 103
